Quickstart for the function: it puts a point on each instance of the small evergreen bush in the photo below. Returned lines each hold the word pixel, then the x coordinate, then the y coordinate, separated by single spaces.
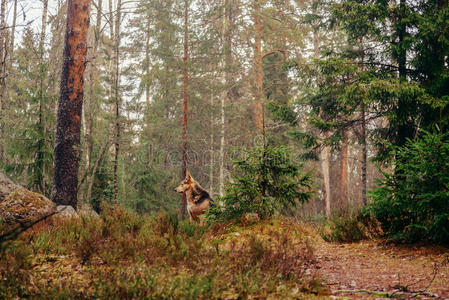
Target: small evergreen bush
pixel 412 200
pixel 266 179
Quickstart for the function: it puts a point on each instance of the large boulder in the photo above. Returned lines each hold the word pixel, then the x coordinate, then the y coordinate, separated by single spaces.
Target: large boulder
pixel 21 206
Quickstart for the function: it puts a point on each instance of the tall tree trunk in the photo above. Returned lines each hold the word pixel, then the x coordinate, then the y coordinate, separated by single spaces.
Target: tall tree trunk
pixel 13 34
pixel 222 147
pixel 3 43
pixel 89 102
pixel 117 97
pixel 212 158
pixel 258 105
pixel 3 51
pixel 343 187
pixel 70 103
pixel 325 162
pixel 110 67
pixel 10 59
pixel 402 53
pixel 111 20
pixel 325 151
pixel 403 128
pixel 42 104
pixel 226 35
pixel 363 140
pixel 112 39
pixel 364 154
pixel 147 88
pixel 185 103
pixel 43 33
pixel 147 64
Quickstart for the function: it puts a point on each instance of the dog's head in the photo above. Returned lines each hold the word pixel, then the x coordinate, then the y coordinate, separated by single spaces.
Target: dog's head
pixel 186 184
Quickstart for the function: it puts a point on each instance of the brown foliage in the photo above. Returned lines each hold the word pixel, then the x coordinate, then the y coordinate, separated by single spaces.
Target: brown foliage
pixel 278 255
pixel 183 259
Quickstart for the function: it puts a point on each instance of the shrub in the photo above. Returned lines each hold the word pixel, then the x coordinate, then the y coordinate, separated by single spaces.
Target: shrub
pixel 279 255
pixel 118 220
pixel 351 228
pixel 266 179
pixel 412 200
pixel 89 240
pixel 166 224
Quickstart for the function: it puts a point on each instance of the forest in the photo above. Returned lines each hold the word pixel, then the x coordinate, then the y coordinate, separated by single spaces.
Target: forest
pixel 224 149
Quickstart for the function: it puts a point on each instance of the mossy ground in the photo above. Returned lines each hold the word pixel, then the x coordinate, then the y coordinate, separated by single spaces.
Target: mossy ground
pixel 124 256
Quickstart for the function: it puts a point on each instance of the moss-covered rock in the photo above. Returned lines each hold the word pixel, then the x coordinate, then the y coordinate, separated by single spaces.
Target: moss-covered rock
pixel 20 206
pixel 23 206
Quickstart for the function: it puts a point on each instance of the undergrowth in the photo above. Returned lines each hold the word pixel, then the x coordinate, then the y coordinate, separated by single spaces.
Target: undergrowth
pixel 354 227
pixel 126 256
pixel 412 199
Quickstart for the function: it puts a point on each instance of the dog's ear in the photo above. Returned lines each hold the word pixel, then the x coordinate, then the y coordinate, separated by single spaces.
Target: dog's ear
pixel 188 177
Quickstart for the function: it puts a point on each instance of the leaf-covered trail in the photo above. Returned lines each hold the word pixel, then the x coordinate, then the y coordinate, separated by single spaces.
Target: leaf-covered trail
pixel 370 270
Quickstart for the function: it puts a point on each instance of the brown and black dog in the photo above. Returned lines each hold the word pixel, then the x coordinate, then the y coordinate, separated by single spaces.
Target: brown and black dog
pixel 198 199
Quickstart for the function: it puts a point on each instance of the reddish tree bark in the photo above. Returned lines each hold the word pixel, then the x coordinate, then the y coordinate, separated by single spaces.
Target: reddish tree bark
pixel 70 102
pixel 343 193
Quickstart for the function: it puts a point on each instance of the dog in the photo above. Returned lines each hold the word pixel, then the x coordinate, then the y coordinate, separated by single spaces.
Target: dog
pixel 198 199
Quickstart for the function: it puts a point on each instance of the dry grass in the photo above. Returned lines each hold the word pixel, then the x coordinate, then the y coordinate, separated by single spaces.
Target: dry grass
pixel 125 256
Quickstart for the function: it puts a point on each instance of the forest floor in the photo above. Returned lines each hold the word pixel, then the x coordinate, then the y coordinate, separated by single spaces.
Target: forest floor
pixel 373 269
pixel 124 256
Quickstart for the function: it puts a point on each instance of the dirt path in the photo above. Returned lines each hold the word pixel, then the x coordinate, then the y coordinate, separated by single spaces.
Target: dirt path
pixel 371 270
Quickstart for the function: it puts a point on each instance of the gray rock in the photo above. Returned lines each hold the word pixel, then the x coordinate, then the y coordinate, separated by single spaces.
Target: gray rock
pixel 66 211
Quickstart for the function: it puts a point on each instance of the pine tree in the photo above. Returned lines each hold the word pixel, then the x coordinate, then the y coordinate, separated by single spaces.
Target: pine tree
pixel 70 104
